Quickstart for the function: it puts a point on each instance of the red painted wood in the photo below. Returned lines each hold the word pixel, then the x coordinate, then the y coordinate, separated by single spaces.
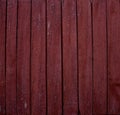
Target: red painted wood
pixel 113 56
pixel 69 58
pixel 54 75
pixel 11 57
pixel 23 58
pixel 38 58
pixel 100 57
pixel 85 56
pixel 59 57
pixel 2 55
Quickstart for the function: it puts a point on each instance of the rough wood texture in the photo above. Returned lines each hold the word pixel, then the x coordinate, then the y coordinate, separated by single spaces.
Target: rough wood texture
pixel 69 57
pixel 2 56
pixel 59 57
pixel 54 71
pixel 11 57
pixel 85 56
pixel 38 58
pixel 23 58
pixel 113 56
pixel 99 57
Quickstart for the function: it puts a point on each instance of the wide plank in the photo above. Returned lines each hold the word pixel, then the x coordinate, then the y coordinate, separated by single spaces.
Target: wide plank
pixel 85 56
pixel 70 76
pixel 113 10
pixel 99 57
pixel 11 57
pixel 38 58
pixel 23 57
pixel 54 70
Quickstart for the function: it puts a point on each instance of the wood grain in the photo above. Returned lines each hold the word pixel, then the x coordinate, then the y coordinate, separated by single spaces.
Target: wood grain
pixel 23 58
pixel 70 94
pixel 11 57
pixel 2 55
pixel 113 56
pixel 100 57
pixel 59 57
pixel 54 71
pixel 85 56
pixel 38 58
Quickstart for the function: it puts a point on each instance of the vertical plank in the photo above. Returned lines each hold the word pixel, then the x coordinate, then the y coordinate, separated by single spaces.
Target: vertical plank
pixel 85 56
pixel 54 81
pixel 38 44
pixel 2 55
pixel 11 57
pixel 100 57
pixel 114 56
pixel 23 58
pixel 69 57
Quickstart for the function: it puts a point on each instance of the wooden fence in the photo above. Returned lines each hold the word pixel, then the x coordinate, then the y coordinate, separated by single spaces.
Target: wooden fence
pixel 59 57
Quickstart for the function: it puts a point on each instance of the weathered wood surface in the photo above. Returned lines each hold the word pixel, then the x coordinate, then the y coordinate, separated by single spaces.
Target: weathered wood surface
pixel 23 57
pixel 113 15
pixel 69 40
pixel 99 57
pixel 59 57
pixel 85 56
pixel 2 57
pixel 11 57
pixel 38 58
pixel 54 60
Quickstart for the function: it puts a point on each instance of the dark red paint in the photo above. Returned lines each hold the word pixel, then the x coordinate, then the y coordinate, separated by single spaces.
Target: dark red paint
pixel 59 57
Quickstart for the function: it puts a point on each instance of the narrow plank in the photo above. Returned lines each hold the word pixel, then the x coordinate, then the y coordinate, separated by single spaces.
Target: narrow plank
pixel 85 56
pixel 100 57
pixel 69 57
pixel 38 58
pixel 2 55
pixel 114 56
pixel 54 81
pixel 11 57
pixel 23 58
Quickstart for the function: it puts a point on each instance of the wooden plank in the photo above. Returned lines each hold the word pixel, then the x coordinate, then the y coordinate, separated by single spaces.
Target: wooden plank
pixel 85 56
pixel 23 58
pixel 2 55
pixel 54 78
pixel 113 56
pixel 11 57
pixel 100 57
pixel 38 59
pixel 69 57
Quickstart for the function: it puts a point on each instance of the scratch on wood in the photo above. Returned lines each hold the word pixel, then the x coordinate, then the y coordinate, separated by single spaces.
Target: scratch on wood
pixel 25 105
pixel 48 26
